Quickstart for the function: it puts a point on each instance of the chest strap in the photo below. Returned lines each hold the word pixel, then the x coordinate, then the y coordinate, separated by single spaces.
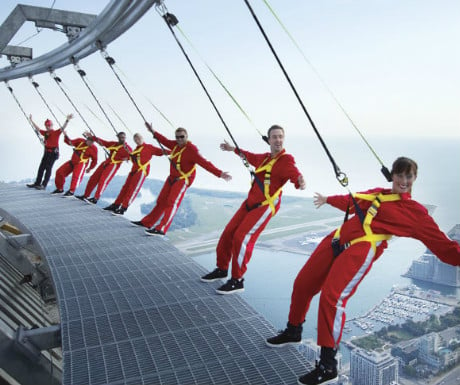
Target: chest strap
pixel 369 235
pixel 114 150
pixel 136 154
pixel 267 167
pixel 176 156
pixel 80 151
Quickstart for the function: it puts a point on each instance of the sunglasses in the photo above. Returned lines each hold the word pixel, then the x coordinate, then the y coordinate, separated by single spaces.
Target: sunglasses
pixel 180 136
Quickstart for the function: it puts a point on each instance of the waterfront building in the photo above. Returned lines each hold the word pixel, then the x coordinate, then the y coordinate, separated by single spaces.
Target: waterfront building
pixel 373 368
pixel 431 269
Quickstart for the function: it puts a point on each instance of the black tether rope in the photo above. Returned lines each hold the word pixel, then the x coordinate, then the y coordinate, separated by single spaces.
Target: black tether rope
pixel 58 82
pixel 83 78
pixel 171 20
pixel 22 109
pixel 341 176
pixel 111 61
pixel 36 85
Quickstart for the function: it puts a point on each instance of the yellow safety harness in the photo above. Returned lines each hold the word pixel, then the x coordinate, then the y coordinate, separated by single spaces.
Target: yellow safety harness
pixel 372 211
pixel 137 155
pixel 80 151
pixel 269 199
pixel 178 155
pixel 115 149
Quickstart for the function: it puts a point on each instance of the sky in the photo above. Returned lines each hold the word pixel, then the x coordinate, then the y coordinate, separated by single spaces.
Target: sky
pixel 394 66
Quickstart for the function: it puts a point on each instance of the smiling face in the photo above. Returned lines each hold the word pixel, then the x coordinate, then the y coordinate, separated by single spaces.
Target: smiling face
pixel 138 139
pixel 276 139
pixel 181 137
pixel 404 174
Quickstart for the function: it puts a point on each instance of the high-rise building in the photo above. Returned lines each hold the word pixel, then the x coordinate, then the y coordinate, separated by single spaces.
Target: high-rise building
pixel 373 368
pixel 429 268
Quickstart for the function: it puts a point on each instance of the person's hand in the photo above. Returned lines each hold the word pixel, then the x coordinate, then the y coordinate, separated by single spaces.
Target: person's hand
pixel 149 127
pixel 301 182
pixel 68 117
pixel 225 146
pixel 319 200
pixel 226 176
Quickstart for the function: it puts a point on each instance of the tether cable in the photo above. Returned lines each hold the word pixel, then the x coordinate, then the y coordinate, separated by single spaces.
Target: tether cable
pixel 58 81
pixel 384 169
pixel 171 20
pixel 340 175
pixel 111 61
pixel 24 113
pixel 36 86
pixel 221 83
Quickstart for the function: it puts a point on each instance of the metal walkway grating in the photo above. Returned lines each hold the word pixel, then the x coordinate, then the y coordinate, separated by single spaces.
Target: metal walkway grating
pixel 132 308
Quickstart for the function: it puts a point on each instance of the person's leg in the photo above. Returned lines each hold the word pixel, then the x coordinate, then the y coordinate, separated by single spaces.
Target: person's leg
pixel 77 176
pixel 49 162
pixel 173 201
pixel 107 175
pixel 61 174
pixel 151 218
pixel 124 190
pixel 94 180
pixel 136 184
pixel 41 170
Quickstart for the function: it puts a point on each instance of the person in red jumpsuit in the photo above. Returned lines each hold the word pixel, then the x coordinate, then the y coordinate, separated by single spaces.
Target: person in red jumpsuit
pixel 183 160
pixel 119 152
pixel 51 154
pixel 140 157
pixel 84 151
pixel 273 170
pixel 345 256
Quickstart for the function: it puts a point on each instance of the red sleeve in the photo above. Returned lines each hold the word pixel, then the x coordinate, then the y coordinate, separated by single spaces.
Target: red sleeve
pixel 93 156
pixel 157 151
pixel 416 223
pixel 103 142
pixel 341 202
pixel 254 159
pixel 206 164
pixel 292 171
pixel 164 141
pixel 42 132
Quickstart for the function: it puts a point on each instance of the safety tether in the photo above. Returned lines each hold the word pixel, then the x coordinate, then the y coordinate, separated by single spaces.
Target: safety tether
pixel 340 175
pixel 384 169
pixel 24 113
pixel 58 81
pixel 36 86
pixel 171 21
pixel 111 61
pixel 221 83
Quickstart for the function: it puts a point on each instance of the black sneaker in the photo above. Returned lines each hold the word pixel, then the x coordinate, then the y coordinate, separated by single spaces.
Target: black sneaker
pixel 292 335
pixel 57 191
pixel 40 187
pixel 81 197
pixel 32 185
pixel 111 207
pixel 319 375
pixel 119 211
pixel 68 194
pixel 154 232
pixel 214 275
pixel 92 200
pixel 231 286
pixel 137 223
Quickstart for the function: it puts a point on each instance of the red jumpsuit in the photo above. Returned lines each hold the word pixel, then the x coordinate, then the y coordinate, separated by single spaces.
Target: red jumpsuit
pixel 50 155
pixel 240 235
pixel 181 176
pixel 108 168
pixel 82 153
pixel 338 278
pixel 140 157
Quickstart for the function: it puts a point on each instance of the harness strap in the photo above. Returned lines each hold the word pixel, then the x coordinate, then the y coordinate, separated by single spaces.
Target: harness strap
pixel 114 150
pixel 372 211
pixel 137 158
pixel 178 155
pixel 80 151
pixel 267 167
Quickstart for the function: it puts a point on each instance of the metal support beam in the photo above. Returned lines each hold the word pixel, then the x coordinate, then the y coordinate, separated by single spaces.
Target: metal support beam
pixel 16 54
pixel 32 341
pixel 43 18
